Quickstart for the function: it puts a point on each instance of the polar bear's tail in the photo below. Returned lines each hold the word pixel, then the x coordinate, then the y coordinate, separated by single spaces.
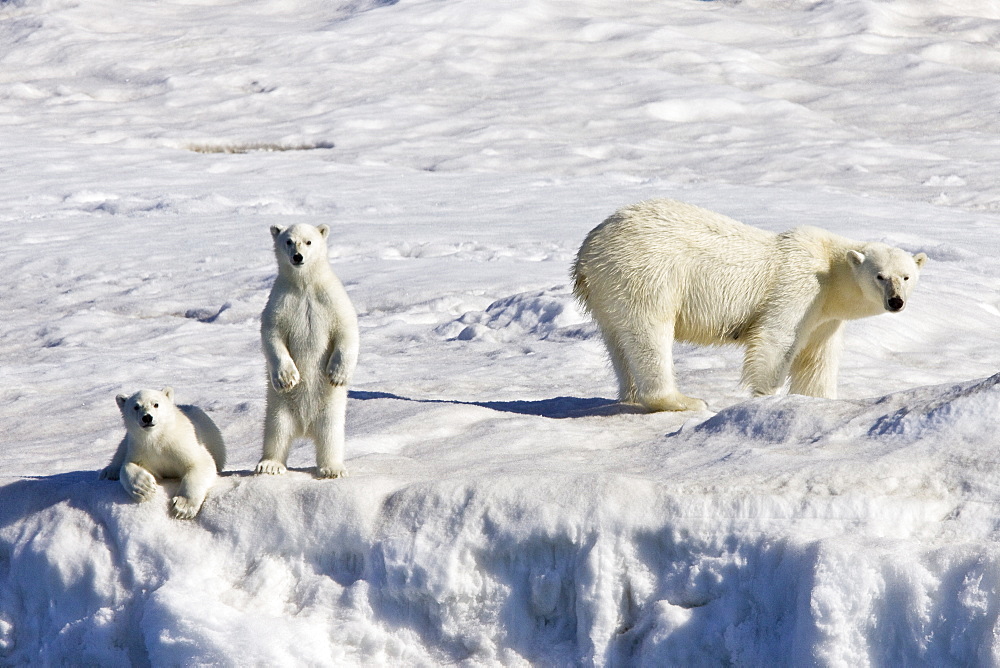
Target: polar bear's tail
pixel 580 288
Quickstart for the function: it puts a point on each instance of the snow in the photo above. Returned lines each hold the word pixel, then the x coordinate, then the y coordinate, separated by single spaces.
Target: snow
pixel 500 509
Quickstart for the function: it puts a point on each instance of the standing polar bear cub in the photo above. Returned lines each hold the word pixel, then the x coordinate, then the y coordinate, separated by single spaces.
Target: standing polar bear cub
pixel 662 270
pixel 309 332
pixel 164 440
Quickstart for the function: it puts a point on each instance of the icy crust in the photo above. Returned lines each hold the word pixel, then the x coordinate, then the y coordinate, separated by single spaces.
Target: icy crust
pixel 699 560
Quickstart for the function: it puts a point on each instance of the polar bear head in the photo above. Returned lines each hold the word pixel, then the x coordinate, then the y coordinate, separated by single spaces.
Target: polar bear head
pixel 886 275
pixel 300 246
pixel 147 410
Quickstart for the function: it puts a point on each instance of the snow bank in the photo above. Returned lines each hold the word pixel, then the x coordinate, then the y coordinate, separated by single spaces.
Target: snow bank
pixel 752 538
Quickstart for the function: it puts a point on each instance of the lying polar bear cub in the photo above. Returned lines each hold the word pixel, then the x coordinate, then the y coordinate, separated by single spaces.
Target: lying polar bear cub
pixel 662 270
pixel 164 440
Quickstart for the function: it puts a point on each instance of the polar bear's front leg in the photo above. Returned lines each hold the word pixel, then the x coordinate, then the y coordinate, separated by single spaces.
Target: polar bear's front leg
pixel 191 493
pixel 138 482
pixel 767 363
pixel 341 366
pixel 285 375
pixel 814 370
pixel 329 436
pixel 775 341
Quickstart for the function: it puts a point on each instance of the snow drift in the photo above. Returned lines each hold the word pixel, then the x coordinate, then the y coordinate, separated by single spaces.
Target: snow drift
pixel 752 538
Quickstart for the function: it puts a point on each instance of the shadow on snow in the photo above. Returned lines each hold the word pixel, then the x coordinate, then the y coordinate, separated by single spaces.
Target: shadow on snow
pixel 555 408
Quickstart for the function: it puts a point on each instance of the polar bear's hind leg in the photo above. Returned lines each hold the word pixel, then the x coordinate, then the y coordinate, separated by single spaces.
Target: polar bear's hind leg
pixel 329 436
pixel 649 351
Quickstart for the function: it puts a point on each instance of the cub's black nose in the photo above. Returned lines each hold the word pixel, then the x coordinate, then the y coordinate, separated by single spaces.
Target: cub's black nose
pixel 895 303
pixel 297 258
pixel 147 419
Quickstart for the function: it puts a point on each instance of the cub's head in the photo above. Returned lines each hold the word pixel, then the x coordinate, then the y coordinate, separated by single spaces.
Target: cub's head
pixel 300 245
pixel 147 409
pixel 886 275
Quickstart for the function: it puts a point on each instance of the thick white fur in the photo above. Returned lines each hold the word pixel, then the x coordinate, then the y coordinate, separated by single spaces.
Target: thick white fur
pixel 164 440
pixel 309 332
pixel 662 270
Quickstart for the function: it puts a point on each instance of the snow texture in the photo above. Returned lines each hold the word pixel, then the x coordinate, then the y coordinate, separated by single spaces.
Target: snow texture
pixel 501 510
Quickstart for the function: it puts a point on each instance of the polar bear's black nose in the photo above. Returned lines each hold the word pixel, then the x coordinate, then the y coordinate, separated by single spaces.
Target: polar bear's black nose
pixel 297 258
pixel 146 419
pixel 895 304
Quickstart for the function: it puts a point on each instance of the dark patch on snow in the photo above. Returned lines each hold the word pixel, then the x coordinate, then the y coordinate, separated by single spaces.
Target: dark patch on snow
pixel 556 408
pixel 258 147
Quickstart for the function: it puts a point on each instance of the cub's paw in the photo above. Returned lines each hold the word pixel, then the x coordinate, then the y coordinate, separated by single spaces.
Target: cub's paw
pixel 110 473
pixel 340 367
pixel 286 377
pixel 141 485
pixel 269 467
pixel 184 508
pixel 340 375
pixel 331 472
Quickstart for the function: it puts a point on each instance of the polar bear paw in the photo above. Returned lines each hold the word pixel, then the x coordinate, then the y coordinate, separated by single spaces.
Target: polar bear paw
pixel 269 467
pixel 339 375
pixel 673 402
pixel 140 484
pixel 340 367
pixel 286 377
pixel 331 472
pixel 184 508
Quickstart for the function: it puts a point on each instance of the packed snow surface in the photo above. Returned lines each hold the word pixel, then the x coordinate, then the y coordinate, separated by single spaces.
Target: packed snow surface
pixel 501 509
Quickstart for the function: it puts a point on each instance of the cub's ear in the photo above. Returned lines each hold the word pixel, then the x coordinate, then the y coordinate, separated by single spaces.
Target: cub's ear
pixel 324 230
pixel 121 399
pixel 168 392
pixel 920 259
pixel 276 231
pixel 855 258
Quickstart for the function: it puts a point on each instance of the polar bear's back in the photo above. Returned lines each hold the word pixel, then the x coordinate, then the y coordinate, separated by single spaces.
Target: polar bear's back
pixel 207 432
pixel 663 259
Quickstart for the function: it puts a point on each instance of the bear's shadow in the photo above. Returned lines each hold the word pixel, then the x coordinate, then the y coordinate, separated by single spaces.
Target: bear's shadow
pixel 557 408
pixel 81 490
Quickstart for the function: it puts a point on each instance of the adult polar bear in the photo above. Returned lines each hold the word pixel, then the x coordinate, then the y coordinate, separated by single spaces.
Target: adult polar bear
pixel 662 270
pixel 309 332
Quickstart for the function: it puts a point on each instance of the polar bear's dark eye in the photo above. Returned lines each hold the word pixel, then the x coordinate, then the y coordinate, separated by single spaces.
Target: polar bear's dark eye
pixel 135 408
pixel 906 278
pixel 309 243
pixel 288 242
pixel 880 277
pixel 156 405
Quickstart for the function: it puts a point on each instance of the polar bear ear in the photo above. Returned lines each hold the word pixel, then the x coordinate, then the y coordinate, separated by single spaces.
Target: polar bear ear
pixel 855 258
pixel 324 230
pixel 120 400
pixel 920 258
pixel 276 231
pixel 168 392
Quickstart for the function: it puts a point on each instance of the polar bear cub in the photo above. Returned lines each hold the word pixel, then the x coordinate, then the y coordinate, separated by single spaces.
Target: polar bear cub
pixel 662 270
pixel 309 332
pixel 164 440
